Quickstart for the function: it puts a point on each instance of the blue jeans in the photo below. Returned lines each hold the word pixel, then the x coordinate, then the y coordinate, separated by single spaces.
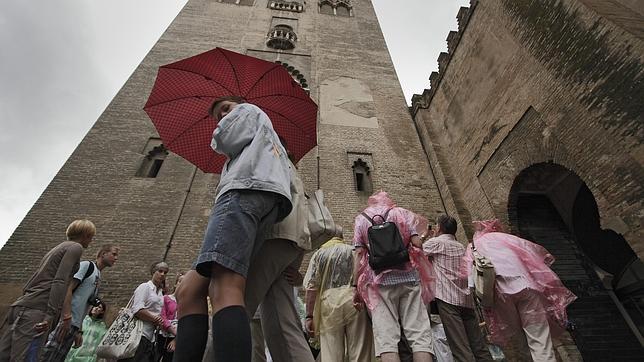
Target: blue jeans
pixel 236 230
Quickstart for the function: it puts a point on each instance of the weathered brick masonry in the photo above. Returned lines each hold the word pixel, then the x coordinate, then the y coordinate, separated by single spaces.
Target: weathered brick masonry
pixel 546 97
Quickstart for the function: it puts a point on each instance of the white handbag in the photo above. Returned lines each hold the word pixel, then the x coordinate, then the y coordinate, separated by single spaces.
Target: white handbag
pixel 321 224
pixel 123 337
pixel 484 278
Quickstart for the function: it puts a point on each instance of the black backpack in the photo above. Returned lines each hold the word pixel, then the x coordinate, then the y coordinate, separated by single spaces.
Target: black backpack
pixel 386 247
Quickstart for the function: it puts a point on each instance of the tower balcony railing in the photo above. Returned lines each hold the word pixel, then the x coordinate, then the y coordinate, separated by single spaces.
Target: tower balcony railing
pixel 281 38
pixel 286 6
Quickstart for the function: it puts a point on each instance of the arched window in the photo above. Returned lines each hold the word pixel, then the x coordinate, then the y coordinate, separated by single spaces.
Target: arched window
pixel 362 177
pixel 336 7
pixel 152 162
pixel 342 10
pixel 326 8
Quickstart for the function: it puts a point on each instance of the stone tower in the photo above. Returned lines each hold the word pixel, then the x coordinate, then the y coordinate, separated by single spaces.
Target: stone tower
pixel 155 205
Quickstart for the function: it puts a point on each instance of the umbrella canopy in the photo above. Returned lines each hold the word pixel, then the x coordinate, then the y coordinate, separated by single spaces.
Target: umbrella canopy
pixel 183 92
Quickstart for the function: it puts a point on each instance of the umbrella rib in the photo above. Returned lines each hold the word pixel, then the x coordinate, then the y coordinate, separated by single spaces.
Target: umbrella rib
pixel 263 75
pixel 178 99
pixel 285 96
pixel 295 124
pixel 185 130
pixel 203 76
pixel 234 71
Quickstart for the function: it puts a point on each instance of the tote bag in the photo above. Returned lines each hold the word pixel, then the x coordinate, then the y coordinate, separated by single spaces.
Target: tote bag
pixel 484 278
pixel 123 337
pixel 321 224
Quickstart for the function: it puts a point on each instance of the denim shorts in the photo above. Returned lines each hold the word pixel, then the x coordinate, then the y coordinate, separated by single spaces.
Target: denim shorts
pixel 236 229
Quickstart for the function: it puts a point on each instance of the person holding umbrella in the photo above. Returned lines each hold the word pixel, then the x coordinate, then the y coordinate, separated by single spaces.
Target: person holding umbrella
pixel 250 100
pixel 253 194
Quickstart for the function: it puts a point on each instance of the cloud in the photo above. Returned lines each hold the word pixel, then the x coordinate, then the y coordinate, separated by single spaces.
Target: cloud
pixel 415 32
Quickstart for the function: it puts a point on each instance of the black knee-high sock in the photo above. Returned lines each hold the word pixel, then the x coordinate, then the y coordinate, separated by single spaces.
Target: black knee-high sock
pixel 231 335
pixel 192 335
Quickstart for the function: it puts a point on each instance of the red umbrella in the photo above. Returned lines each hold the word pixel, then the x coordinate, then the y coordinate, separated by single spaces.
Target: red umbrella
pixel 183 91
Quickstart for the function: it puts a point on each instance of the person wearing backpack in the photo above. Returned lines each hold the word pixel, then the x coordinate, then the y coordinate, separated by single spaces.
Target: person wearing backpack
pixel 393 277
pixel 82 294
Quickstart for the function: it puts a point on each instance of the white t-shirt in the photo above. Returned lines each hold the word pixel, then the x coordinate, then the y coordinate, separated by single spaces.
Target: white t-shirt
pixel 148 296
pixel 87 289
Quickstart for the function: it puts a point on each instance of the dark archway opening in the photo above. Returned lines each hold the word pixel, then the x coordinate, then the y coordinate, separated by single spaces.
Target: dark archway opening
pixel 552 206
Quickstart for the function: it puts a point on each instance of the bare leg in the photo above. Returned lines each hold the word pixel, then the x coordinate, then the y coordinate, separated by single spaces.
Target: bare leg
pixel 391 357
pixel 226 288
pixel 422 357
pixel 192 295
pixel 192 311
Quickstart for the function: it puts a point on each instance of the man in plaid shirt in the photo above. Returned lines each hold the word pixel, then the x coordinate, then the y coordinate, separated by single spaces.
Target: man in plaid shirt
pixel 455 302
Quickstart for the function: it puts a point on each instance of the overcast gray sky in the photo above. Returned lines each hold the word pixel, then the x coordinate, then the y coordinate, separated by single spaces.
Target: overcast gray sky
pixel 63 61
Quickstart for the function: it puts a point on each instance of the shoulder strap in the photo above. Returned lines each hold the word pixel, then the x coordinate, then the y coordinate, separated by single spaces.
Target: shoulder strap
pixel 367 217
pixel 384 218
pixel 88 273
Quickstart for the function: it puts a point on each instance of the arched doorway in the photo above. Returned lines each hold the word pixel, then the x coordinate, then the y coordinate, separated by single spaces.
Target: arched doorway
pixel 552 206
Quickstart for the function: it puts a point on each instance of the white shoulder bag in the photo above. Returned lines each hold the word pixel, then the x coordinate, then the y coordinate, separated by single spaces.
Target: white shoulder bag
pixel 123 337
pixel 484 278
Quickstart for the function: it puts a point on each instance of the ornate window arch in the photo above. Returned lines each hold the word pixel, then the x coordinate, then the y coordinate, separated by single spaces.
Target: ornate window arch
pixel 152 162
pixel 336 7
pixel 362 177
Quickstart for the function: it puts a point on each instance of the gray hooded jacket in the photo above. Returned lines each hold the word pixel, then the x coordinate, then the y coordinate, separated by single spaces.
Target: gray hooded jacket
pixel 256 158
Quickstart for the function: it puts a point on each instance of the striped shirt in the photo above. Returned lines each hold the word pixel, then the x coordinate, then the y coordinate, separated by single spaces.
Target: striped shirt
pixel 447 254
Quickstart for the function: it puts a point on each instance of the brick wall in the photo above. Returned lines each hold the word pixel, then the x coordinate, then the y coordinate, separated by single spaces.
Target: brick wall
pixel 540 81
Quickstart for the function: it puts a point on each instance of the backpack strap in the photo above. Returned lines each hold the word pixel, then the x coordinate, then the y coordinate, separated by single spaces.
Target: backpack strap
pixel 384 218
pixel 367 217
pixel 88 273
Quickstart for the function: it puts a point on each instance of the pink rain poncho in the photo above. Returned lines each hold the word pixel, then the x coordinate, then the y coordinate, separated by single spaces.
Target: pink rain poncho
pixel 519 265
pixel 408 224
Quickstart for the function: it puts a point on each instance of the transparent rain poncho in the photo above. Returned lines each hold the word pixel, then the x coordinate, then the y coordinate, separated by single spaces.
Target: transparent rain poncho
pixel 330 273
pixel 521 267
pixel 408 224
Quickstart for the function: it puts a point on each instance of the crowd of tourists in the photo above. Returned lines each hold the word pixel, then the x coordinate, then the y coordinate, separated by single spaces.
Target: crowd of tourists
pixel 403 288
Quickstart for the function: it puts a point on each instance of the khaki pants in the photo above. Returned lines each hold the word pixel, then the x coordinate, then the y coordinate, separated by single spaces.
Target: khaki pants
pixel 259 348
pixel 353 340
pixel 463 333
pixel 400 305
pixel 19 340
pixel 521 310
pixel 281 324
